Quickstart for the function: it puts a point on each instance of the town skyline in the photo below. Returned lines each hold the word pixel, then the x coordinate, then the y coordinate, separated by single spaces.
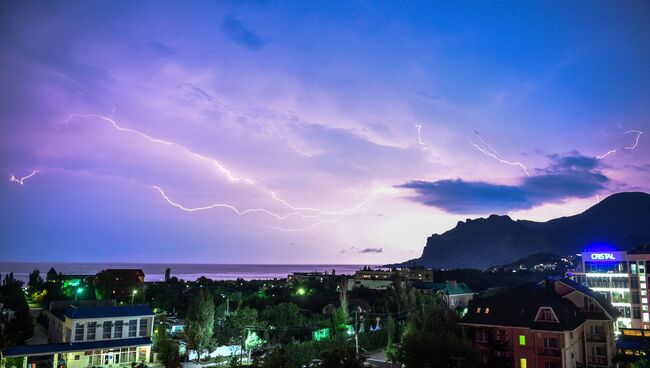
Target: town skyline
pixel 220 134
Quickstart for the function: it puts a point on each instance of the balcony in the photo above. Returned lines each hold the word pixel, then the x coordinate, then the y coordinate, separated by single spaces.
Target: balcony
pixel 550 352
pixel 598 360
pixel 596 338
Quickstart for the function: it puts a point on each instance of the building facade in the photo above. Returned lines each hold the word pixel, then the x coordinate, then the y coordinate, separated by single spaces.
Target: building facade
pixel 556 324
pixel 101 336
pixel 379 279
pixel 621 277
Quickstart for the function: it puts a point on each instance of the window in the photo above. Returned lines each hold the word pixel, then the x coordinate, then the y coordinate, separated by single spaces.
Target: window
pixel 633 267
pixel 636 312
pixel 107 329
pixel 635 297
pixel 523 363
pixel 79 332
pixel 551 343
pixel 551 365
pixel 598 351
pixel 522 340
pixel 143 327
pixel 481 336
pixel 77 357
pixel 118 330
pixel 546 314
pixel 487 310
pixel 92 331
pixel 133 325
pixel 478 310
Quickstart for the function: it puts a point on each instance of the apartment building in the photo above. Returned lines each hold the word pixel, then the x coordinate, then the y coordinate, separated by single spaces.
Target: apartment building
pixel 555 324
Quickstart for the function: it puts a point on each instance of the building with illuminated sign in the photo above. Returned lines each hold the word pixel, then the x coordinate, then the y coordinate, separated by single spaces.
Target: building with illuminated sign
pixel 621 278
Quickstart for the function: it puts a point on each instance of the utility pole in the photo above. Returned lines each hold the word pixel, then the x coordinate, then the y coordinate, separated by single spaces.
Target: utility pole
pixel 356 331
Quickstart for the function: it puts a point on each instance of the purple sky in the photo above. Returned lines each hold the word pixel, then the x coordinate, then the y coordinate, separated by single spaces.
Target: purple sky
pixel 308 132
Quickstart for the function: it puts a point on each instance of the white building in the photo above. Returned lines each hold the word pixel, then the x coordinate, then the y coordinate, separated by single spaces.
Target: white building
pixel 92 337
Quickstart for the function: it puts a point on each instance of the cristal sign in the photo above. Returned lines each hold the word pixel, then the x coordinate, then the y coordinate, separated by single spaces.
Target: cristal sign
pixel 603 256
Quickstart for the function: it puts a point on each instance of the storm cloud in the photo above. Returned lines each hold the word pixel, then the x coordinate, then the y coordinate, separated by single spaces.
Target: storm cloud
pixel 570 176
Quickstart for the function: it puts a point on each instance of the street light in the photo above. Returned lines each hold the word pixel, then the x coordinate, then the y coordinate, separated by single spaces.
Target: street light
pixel 78 292
pixel 135 291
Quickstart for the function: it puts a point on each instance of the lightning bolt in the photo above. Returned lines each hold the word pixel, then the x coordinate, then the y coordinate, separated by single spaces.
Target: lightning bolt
pixel 224 205
pixel 340 214
pixel 302 212
pixel 630 147
pixel 491 152
pixel 21 181
pixel 418 127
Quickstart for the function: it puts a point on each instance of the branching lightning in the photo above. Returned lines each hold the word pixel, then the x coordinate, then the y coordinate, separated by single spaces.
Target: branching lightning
pixel 419 129
pixel 301 212
pixel 21 181
pixel 630 147
pixel 340 214
pixel 425 147
pixel 224 205
pixel 491 152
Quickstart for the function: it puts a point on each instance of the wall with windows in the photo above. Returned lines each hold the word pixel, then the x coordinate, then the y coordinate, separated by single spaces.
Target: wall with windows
pixel 108 357
pixel 108 328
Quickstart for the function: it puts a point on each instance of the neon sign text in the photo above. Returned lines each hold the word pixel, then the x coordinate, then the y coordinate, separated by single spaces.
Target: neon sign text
pixel 603 256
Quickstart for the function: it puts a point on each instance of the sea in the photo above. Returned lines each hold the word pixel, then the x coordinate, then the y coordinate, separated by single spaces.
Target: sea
pixel 189 272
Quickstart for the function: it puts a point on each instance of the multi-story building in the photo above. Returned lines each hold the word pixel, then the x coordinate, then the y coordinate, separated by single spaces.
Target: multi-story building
pixel 119 284
pixel 380 279
pixel 101 336
pixel 554 324
pixel 298 277
pixel 622 279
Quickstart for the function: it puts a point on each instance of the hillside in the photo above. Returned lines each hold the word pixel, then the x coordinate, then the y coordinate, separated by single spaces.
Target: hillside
pixel 621 220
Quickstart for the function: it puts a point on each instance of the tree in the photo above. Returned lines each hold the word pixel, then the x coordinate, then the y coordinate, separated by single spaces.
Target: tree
pixel 167 350
pixel 235 327
pixel 16 325
pixel 165 346
pixel 199 324
pixel 35 283
pixel 340 357
pixel 432 338
pixel 168 274
pixel 285 322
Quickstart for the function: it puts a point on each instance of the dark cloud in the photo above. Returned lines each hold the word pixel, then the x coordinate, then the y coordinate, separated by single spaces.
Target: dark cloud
pixel 571 176
pixel 362 250
pixel 235 31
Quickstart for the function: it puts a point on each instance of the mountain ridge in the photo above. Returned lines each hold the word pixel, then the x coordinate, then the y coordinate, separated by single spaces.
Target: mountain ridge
pixel 621 220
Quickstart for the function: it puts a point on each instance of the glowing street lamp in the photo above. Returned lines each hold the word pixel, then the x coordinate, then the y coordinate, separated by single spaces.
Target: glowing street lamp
pixel 135 291
pixel 78 292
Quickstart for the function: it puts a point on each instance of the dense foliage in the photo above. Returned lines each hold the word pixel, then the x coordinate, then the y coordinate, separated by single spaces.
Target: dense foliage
pixel 16 324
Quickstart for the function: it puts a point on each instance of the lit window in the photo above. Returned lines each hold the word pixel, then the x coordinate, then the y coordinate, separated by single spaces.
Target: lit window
pixel 522 340
pixel 487 310
pixel 478 310
pixel 523 363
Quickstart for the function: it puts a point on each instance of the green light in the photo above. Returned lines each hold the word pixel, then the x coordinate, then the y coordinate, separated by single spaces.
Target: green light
pixel 301 291
pixel 135 292
pixel 80 290
pixel 321 334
